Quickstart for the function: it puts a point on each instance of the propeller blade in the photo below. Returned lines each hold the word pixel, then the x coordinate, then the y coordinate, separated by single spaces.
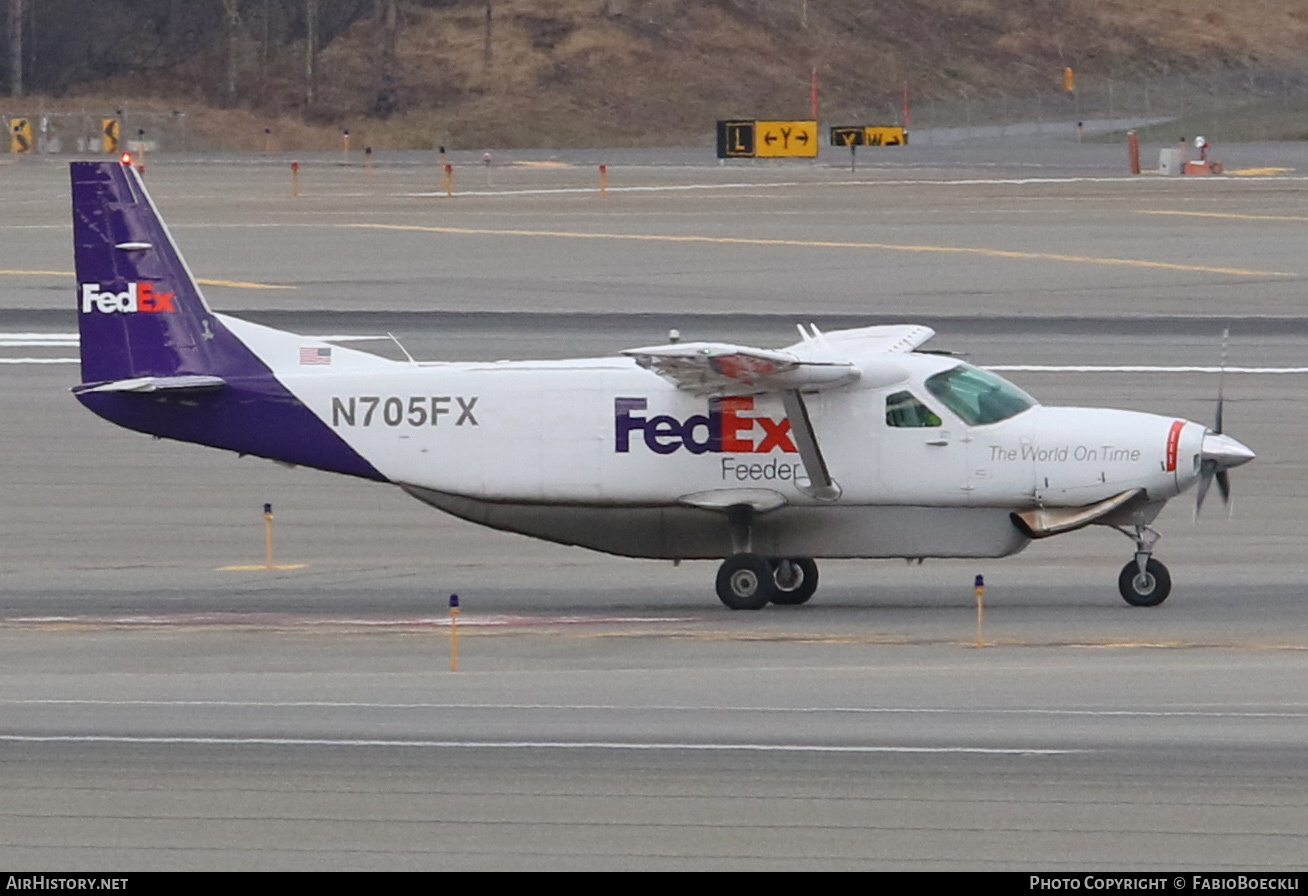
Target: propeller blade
pixel 1221 380
pixel 1205 480
pixel 1224 486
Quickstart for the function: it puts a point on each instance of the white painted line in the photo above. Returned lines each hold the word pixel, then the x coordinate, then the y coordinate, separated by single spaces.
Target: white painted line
pixel 521 745
pixel 605 707
pixel 1135 368
pixel 287 620
pixel 67 337
pixel 15 340
pixel 40 360
pixel 1007 368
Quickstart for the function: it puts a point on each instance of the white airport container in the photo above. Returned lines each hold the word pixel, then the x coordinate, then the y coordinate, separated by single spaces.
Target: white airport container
pixel 1169 161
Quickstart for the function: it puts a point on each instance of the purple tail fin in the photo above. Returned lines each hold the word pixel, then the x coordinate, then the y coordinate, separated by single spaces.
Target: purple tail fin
pixel 140 312
pixel 156 359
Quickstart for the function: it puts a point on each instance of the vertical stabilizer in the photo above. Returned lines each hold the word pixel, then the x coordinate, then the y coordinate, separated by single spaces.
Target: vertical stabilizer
pixel 156 359
pixel 140 312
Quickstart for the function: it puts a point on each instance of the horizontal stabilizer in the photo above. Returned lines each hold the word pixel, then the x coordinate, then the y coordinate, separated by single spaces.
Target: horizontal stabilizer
pixel 185 383
pixel 860 342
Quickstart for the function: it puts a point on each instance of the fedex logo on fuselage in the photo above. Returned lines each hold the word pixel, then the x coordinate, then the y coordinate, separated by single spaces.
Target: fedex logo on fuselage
pixel 137 297
pixel 728 426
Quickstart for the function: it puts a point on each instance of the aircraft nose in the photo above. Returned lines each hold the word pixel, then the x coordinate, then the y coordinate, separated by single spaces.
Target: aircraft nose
pixel 1225 452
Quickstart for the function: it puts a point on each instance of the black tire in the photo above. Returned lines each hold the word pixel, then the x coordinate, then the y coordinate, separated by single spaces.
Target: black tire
pixel 799 586
pixel 745 582
pixel 1148 590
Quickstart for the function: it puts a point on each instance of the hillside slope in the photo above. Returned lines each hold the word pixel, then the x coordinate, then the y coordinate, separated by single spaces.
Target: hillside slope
pixel 579 72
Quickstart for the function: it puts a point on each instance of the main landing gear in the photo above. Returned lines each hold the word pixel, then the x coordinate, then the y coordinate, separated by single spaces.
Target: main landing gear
pixel 747 581
pixel 750 582
pixel 1144 582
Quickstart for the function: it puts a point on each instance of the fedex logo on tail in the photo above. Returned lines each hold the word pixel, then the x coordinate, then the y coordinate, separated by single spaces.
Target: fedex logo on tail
pixel 728 426
pixel 137 297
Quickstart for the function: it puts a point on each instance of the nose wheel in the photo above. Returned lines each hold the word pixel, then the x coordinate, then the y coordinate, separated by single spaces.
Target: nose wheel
pixel 1144 581
pixel 1147 588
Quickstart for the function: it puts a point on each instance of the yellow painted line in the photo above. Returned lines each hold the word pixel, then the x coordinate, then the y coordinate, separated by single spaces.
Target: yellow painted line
pixel 884 640
pixel 834 244
pixel 234 284
pixel 260 566
pixel 1259 172
pixel 1231 215
pixel 242 284
pixel 549 164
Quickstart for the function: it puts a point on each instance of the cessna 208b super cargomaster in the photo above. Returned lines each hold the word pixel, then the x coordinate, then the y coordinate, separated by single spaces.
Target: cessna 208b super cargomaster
pixel 846 444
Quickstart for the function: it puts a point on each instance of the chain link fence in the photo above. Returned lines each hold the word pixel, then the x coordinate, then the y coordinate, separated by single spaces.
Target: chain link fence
pixel 1231 106
pixel 87 131
pixel 1228 106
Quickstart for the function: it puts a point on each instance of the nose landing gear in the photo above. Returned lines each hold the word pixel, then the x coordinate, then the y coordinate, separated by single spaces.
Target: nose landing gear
pixel 1144 581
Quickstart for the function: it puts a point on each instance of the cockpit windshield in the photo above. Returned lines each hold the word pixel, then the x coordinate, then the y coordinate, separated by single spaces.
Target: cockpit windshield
pixel 978 396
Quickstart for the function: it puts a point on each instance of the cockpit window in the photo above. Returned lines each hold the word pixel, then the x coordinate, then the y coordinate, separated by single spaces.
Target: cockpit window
pixel 978 396
pixel 902 409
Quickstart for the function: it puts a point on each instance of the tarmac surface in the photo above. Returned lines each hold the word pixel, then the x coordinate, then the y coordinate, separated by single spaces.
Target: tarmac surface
pixel 167 703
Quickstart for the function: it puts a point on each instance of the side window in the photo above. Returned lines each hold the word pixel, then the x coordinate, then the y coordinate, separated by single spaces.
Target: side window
pixel 902 409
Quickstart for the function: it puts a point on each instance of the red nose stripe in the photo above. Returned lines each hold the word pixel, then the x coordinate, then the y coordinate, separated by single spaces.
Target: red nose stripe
pixel 1173 441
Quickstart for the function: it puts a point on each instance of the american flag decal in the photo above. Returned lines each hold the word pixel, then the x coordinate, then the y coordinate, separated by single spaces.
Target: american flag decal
pixel 315 356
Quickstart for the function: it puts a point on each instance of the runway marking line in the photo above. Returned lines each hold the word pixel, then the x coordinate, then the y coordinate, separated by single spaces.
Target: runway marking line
pixel 1135 368
pixel 39 360
pixel 526 745
pixel 294 621
pixel 1229 215
pixel 1259 172
pixel 590 627
pixel 826 244
pixel 258 566
pixel 667 707
pixel 70 340
pixel 203 281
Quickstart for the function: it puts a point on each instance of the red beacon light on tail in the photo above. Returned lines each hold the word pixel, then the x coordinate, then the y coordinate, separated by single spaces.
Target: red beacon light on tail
pixel 126 159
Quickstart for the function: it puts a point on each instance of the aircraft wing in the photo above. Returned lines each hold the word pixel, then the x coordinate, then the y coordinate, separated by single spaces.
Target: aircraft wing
pixel 820 361
pixel 718 368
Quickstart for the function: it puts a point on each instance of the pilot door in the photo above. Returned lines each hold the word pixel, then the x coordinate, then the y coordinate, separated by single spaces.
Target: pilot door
pixel 924 453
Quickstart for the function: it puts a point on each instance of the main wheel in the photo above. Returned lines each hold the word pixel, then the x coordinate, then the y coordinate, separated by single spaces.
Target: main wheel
pixel 1144 590
pixel 795 579
pixel 745 582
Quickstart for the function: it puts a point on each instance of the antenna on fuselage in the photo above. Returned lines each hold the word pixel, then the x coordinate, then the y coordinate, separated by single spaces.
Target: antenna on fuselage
pixel 402 348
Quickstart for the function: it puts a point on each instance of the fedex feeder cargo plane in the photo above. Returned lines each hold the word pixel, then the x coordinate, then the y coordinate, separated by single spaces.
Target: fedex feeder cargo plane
pixel 848 444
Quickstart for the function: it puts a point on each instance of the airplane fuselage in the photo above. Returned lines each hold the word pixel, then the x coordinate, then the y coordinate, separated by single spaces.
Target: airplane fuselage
pixel 603 453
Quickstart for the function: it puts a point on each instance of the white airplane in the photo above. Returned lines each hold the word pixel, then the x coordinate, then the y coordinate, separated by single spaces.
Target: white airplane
pixel 850 444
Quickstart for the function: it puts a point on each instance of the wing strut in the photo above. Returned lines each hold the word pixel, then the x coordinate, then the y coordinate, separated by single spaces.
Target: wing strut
pixel 820 484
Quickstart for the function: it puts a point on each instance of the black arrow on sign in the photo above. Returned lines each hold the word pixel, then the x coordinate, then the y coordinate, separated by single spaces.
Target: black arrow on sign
pixel 770 138
pixel 802 137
